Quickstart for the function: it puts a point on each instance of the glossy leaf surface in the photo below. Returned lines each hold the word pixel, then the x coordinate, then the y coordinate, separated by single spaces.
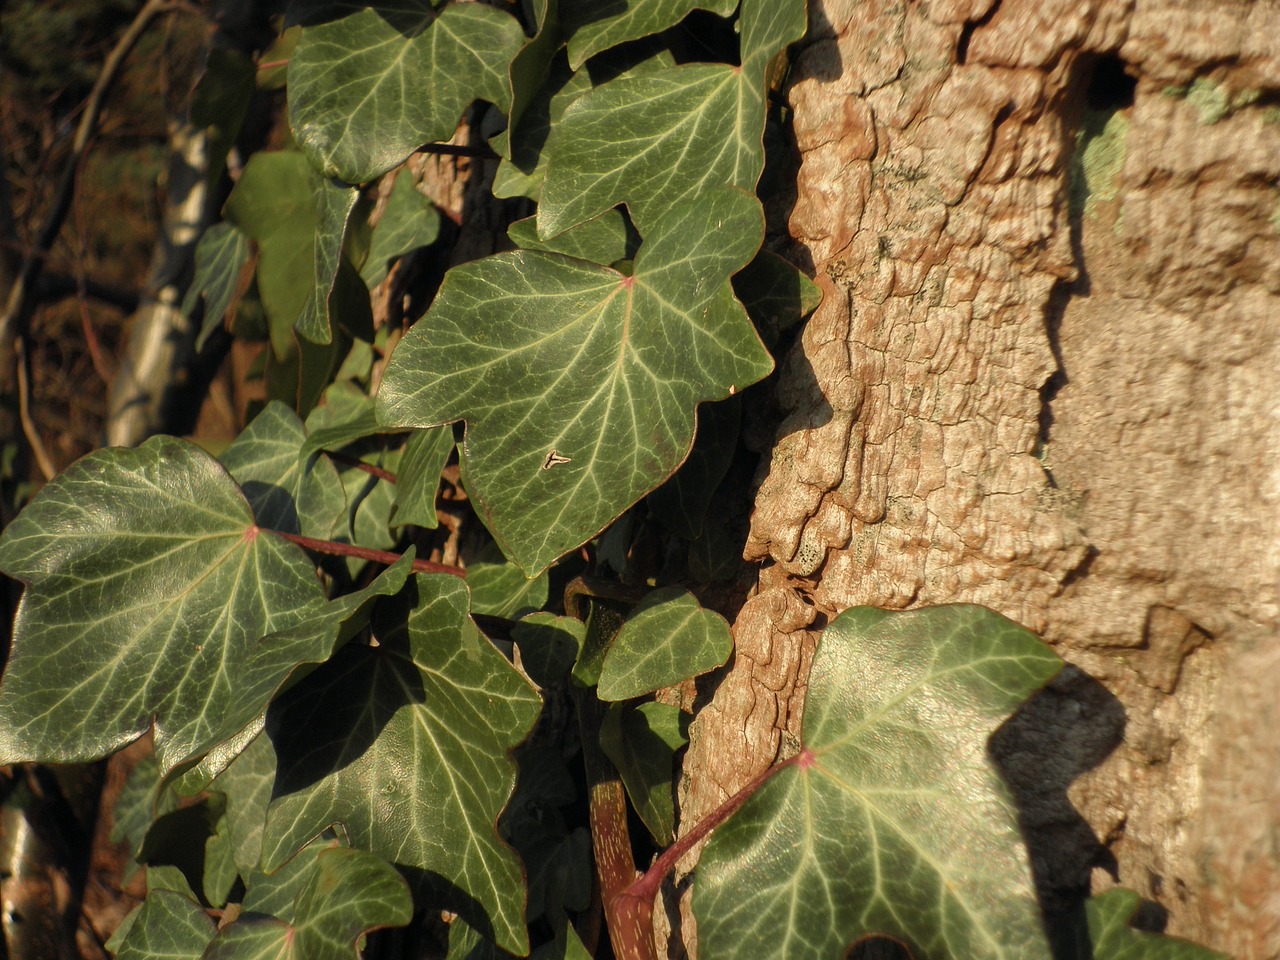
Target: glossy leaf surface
pixel 168 926
pixel 405 747
pixel 669 637
pixel 370 83
pixel 897 823
pixel 578 383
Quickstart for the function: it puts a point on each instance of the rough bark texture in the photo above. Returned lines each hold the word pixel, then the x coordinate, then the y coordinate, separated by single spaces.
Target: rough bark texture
pixel 1043 379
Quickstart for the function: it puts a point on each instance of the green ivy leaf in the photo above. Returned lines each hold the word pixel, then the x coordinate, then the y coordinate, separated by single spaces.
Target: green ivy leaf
pixel 408 221
pixel 349 78
pixel 405 745
pixel 220 102
pixel 168 926
pixel 220 871
pixel 499 589
pixel 776 294
pixel 142 800
pixel 418 479
pixel 898 824
pixel 578 383
pixel 1109 915
pixel 642 744
pixel 595 25
pixel 246 783
pixel 669 637
pixel 220 258
pixel 603 240
pixel 287 489
pixel 186 613
pixel 148 585
pixel 274 202
pixel 549 645
pixel 656 142
pixel 346 894
pixel 334 202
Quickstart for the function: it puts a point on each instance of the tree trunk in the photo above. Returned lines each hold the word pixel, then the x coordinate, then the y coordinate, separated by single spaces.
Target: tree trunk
pixel 1043 379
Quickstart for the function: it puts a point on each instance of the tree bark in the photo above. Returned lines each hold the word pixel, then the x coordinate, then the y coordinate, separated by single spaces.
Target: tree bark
pixel 1043 379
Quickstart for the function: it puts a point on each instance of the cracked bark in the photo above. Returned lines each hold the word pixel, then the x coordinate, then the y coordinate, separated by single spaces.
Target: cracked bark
pixel 1042 379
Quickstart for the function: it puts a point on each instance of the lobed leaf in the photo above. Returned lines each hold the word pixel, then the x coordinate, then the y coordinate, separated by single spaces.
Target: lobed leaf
pixel 405 746
pixel 220 258
pixel 168 926
pixel 578 383
pixel 642 744
pixel 369 83
pixel 894 821
pixel 596 25
pixel 408 221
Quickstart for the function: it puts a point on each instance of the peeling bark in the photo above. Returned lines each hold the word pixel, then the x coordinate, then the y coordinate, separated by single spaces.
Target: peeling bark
pixel 1042 380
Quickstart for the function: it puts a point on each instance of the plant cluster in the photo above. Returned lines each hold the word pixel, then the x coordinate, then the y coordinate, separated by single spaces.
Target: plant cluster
pixel 371 741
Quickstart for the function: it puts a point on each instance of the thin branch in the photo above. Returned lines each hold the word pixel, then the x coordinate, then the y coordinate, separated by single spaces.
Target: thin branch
pixel 22 297
pixel 454 150
pixel 24 413
pixel 359 464
pixel 334 549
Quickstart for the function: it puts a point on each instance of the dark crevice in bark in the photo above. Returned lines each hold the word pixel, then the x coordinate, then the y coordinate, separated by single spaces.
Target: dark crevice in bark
pixel 966 34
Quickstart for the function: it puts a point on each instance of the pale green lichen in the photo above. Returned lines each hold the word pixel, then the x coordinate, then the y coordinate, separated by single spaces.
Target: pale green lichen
pixel 1212 101
pixel 1097 160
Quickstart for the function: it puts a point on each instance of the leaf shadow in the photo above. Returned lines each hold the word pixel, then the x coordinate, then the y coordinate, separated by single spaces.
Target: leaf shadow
pixel 273 506
pixel 410 20
pixel 1065 730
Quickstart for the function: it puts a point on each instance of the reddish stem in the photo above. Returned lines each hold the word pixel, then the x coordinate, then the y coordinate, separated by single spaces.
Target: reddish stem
pixel 636 901
pixel 334 549
pixel 359 464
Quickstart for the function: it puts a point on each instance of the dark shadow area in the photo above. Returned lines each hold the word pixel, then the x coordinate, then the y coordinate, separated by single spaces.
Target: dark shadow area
pixel 332 718
pixel 1054 311
pixel 878 948
pixel 410 20
pixel 966 32
pixel 819 58
pixel 1066 729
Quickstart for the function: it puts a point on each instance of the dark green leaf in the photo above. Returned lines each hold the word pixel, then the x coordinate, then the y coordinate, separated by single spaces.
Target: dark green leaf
pixel 500 589
pixel 521 173
pixel 220 871
pixel 168 926
pixel 347 894
pixel 595 25
pixel 657 142
pixel 220 258
pixel 405 745
pixel 246 784
pixel 1109 915
pixel 274 202
pixel 148 587
pixel 418 479
pixel 288 490
pixel 776 294
pixel 549 645
pixel 578 384
pixel 408 221
pixel 898 823
pixel 369 88
pixel 334 202
pixel 220 102
pixel 669 637
pixel 642 743
pixel 602 240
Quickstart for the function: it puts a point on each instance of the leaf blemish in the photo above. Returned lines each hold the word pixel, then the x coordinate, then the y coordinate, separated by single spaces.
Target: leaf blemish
pixel 554 460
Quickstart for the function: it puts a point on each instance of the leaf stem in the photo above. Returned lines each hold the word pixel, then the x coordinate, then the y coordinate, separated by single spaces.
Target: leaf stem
pixel 335 549
pixel 359 464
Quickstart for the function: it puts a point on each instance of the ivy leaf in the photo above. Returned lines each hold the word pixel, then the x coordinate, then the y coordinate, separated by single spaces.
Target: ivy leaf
pixel 603 240
pixel 346 894
pixel 408 221
pixel 274 202
pixel 895 820
pixel 405 745
pixel 334 202
pixel 667 638
pixel 595 25
pixel 499 589
pixel 642 744
pixel 140 803
pixel 168 926
pixel 417 481
pixel 549 645
pixel 246 784
pixel 656 142
pixel 287 490
pixel 148 585
pixel 578 383
pixel 1109 916
pixel 153 596
pixel 348 78
pixel 776 294
pixel 220 258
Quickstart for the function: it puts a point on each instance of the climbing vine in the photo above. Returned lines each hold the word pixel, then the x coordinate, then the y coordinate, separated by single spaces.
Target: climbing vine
pixel 403 644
